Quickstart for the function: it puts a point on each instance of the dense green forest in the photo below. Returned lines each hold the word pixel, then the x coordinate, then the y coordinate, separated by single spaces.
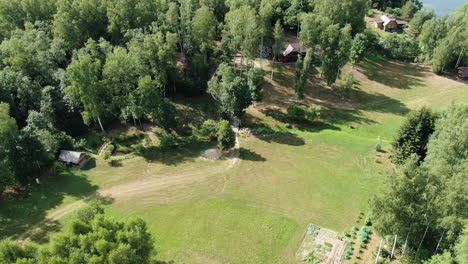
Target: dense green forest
pixel 70 66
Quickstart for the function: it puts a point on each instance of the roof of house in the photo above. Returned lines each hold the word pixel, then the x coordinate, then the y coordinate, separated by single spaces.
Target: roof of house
pixel 402 22
pixel 378 20
pixel 386 19
pixel 464 71
pixel 293 47
pixel 71 156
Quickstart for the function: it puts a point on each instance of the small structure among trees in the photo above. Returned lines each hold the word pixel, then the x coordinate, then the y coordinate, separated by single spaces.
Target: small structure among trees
pixel 71 157
pixel 389 23
pixel 463 73
pixel 291 52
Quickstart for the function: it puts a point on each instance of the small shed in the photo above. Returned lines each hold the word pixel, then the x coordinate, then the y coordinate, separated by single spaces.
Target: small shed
pixel 463 73
pixel 291 52
pixel 71 157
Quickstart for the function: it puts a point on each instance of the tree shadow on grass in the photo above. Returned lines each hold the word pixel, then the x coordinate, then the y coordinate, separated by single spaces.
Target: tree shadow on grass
pixel 178 155
pixel 20 214
pixel 276 114
pixel 392 73
pixel 115 163
pixel 345 116
pixel 91 164
pixel 380 103
pixel 285 138
pixel 315 127
pixel 246 154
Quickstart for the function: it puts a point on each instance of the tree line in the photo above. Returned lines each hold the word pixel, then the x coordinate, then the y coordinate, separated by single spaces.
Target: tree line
pixel 92 237
pixel 424 201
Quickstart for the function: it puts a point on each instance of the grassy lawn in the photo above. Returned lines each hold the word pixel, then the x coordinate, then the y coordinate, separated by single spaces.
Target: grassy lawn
pixel 256 210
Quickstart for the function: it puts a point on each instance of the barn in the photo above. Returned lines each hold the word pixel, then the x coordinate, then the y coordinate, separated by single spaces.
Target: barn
pixel 71 157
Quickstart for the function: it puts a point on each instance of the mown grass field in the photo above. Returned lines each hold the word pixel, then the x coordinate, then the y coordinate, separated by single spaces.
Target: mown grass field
pixel 256 210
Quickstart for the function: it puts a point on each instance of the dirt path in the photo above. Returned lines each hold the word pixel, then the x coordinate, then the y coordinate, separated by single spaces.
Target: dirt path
pixel 148 190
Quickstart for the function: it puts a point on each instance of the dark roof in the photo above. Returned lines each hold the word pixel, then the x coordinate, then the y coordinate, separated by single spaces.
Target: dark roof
pixel 464 71
pixel 293 47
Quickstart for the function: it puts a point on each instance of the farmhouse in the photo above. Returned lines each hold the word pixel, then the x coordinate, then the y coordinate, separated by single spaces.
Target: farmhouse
pixel 71 157
pixel 463 73
pixel 291 52
pixel 389 23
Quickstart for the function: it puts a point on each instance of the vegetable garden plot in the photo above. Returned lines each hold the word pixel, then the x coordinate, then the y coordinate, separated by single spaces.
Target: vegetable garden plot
pixel 320 245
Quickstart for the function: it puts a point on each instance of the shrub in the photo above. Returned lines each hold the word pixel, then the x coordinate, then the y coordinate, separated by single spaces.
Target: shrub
pixel 346 84
pixel 364 234
pixel 378 147
pixel 88 213
pixel 313 112
pixel 110 148
pixel 139 148
pixel 301 113
pixel 208 129
pixel 226 136
pixel 124 149
pixel 106 154
pixel 58 168
pixel 167 141
pixel 296 112
pixel 348 253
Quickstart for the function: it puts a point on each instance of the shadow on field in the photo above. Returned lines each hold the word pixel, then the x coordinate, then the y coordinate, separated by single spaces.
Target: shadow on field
pixel 345 116
pixel 315 127
pixel 176 155
pixel 391 73
pixel 246 154
pixel 20 214
pixel 285 138
pixel 91 164
pixel 380 103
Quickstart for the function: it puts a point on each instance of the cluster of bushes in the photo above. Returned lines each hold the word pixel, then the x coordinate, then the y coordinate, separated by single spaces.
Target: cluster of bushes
pixel 364 235
pixel 209 130
pixel 300 113
pixel 400 47
pixel 221 131
pixel 108 152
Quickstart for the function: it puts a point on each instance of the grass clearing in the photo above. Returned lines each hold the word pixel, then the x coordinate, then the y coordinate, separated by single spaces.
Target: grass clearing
pixel 203 211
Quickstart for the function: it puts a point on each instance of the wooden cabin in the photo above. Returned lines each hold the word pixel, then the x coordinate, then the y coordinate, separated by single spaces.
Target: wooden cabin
pixel 389 23
pixel 291 52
